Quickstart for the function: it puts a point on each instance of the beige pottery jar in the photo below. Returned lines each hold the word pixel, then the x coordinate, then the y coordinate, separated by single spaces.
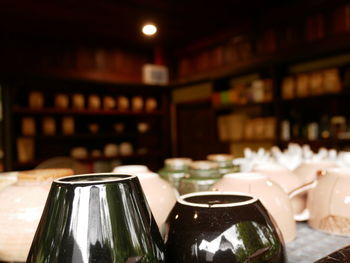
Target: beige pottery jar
pixel 21 207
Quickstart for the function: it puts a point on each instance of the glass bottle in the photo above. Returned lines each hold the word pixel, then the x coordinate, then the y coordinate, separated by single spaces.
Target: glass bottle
pixel 201 176
pixel 174 169
pixel 225 162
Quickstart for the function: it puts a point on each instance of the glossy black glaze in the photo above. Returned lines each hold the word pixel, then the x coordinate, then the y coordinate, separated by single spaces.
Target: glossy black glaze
pixel 243 233
pixel 339 256
pixel 103 219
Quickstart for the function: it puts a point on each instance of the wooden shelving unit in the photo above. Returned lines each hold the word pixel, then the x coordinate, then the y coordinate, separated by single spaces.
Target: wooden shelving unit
pixel 150 146
pixel 330 49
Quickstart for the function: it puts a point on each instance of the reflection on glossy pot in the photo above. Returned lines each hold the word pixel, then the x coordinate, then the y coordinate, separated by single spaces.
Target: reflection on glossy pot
pixel 222 227
pixel 97 218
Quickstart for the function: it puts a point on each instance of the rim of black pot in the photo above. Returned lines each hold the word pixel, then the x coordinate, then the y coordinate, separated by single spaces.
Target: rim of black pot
pixel 251 199
pixel 94 178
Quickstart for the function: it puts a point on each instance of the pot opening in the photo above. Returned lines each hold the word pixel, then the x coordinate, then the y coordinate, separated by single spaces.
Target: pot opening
pixel 93 178
pixel 217 199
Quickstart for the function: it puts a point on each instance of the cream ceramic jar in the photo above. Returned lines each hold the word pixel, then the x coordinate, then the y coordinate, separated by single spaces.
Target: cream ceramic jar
pixel 20 210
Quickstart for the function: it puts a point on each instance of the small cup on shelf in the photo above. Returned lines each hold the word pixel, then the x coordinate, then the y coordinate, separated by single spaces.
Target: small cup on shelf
pixel 151 104
pixel 111 150
pixel 36 100
pixel 78 101
pixel 143 127
pixel 108 103
pixel 137 103
pixel 61 101
pixel 25 149
pixel 28 126
pixel 119 127
pixel 126 149
pixel 49 126
pixel 94 128
pixel 94 102
pixel 68 125
pixel 123 103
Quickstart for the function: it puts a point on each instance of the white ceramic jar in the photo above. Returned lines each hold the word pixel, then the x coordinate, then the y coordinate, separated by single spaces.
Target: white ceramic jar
pixel 20 210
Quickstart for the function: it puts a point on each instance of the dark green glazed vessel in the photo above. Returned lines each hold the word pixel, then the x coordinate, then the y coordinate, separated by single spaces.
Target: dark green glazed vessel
pixel 221 227
pixel 100 218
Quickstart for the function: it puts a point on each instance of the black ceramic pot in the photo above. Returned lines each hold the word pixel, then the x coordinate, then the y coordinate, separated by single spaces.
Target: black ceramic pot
pixel 340 256
pixel 222 227
pixel 100 218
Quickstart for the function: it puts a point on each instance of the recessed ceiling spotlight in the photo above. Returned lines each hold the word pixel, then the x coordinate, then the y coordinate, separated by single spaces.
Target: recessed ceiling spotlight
pixel 149 29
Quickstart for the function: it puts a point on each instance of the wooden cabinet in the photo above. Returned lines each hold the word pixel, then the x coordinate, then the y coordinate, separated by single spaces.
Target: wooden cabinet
pixel 98 124
pixel 301 99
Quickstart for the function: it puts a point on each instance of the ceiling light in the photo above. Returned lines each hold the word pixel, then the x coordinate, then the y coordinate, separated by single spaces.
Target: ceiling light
pixel 149 29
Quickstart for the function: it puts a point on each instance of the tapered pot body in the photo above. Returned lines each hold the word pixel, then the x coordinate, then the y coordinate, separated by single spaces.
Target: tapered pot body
pixel 222 227
pixel 97 218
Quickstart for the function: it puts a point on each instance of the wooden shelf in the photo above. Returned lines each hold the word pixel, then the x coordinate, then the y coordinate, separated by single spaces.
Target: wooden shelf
pixel 329 141
pixel 231 106
pixel 89 136
pixel 55 111
pixel 326 96
pixel 304 51
pixel 253 141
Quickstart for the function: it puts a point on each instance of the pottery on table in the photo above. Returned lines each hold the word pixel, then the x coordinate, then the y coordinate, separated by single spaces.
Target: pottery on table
pixel 7 179
pixel 131 169
pixel 161 196
pixel 308 170
pixel 269 193
pixel 201 176
pixel 20 209
pixel 221 227
pixel 286 179
pixel 225 162
pixel 97 218
pixel 174 169
pixel 329 202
